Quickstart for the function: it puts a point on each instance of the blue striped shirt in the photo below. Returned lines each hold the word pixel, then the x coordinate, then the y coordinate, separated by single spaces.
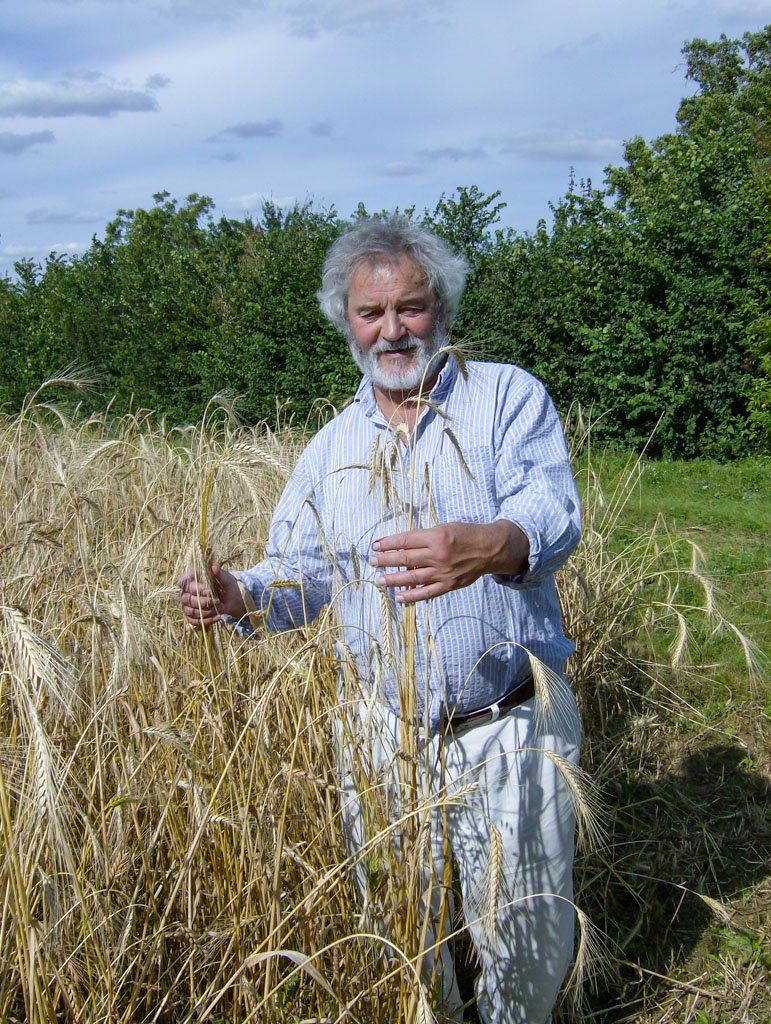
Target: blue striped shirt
pixel 487 447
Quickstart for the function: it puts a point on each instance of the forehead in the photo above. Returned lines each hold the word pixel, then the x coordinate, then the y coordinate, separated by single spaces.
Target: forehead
pixel 395 276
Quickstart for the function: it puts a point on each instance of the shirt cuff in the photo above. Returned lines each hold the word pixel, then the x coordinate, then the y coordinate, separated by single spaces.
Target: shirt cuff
pixel 241 626
pixel 528 578
pixel 254 618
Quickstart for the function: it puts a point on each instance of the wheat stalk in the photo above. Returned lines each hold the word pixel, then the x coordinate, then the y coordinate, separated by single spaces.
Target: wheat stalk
pixel 155 808
pixel 458 451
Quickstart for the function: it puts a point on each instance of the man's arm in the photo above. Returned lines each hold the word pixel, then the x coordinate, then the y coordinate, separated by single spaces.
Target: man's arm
pixel 537 523
pixel 534 482
pixel 295 551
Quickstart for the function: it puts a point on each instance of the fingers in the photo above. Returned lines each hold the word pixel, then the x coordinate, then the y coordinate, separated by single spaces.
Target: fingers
pixel 414 584
pixel 431 561
pixel 407 540
pixel 199 605
pixel 422 593
pixel 413 558
pixel 413 548
pixel 200 610
pixel 412 577
pixel 201 619
pixel 410 552
pixel 192 588
pixel 200 600
pixel 184 578
pixel 399 551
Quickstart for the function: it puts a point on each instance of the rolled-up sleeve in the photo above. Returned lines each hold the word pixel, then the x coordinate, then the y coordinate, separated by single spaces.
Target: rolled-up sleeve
pixel 292 582
pixel 533 480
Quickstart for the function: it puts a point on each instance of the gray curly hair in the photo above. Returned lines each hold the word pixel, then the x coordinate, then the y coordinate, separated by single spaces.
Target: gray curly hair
pixel 376 240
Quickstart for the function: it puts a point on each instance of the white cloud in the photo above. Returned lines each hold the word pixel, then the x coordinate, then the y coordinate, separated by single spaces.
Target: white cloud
pixel 45 216
pixel 12 143
pixel 84 93
pixel 312 17
pixel 256 200
pixel 563 144
pixel 253 130
pixel 454 153
pixel 21 252
pixel 412 96
pixel 397 169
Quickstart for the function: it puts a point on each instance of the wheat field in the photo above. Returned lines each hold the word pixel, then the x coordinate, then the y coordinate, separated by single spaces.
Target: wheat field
pixel 169 810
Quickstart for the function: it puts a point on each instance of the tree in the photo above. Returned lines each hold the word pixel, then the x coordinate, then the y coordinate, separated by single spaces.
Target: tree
pixel 465 222
pixel 697 204
pixel 649 298
pixel 12 389
pixel 272 343
pixel 134 308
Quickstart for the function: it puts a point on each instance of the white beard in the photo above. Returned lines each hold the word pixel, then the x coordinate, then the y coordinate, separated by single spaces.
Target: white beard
pixel 423 366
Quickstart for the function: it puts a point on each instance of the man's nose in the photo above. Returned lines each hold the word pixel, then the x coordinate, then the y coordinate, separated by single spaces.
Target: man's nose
pixel 392 328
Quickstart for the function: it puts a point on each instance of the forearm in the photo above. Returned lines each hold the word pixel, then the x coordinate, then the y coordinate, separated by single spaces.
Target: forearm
pixel 552 527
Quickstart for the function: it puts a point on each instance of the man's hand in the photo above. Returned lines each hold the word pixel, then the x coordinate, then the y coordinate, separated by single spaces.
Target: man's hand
pixel 448 557
pixel 203 604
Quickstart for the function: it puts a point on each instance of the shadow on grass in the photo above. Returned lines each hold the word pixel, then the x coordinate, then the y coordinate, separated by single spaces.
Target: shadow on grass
pixel 699 828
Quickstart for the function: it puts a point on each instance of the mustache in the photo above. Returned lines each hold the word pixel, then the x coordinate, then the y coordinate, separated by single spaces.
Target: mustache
pixel 403 345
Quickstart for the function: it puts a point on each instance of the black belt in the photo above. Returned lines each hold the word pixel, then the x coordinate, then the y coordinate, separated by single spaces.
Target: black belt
pixel 522 692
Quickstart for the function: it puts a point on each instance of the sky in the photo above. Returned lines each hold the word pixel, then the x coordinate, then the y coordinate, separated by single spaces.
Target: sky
pixel 387 102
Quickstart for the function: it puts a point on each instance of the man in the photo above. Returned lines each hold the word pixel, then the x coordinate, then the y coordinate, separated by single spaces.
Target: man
pixel 432 513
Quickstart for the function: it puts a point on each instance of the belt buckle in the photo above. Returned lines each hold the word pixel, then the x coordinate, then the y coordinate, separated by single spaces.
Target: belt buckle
pixel 449 721
pixel 491 713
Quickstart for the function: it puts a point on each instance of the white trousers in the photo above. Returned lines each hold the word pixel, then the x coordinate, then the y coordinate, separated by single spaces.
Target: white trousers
pixel 516 888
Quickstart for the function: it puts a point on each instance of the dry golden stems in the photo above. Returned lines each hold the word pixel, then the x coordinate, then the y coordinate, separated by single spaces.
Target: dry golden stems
pixel 193 819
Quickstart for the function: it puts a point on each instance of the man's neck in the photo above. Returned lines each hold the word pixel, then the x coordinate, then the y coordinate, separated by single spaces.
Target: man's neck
pixel 402 406
pixel 405 406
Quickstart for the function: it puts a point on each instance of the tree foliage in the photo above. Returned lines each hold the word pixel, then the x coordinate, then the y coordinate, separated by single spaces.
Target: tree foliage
pixel 647 299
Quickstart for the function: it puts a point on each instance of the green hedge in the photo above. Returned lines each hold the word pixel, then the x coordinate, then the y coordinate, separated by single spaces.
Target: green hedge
pixel 646 300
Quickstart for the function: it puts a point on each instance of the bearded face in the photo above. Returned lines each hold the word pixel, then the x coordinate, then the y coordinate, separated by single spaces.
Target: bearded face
pixel 393 327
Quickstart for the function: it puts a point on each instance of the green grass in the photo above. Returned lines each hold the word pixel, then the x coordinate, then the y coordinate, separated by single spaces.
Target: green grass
pixel 683 756
pixel 724 510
